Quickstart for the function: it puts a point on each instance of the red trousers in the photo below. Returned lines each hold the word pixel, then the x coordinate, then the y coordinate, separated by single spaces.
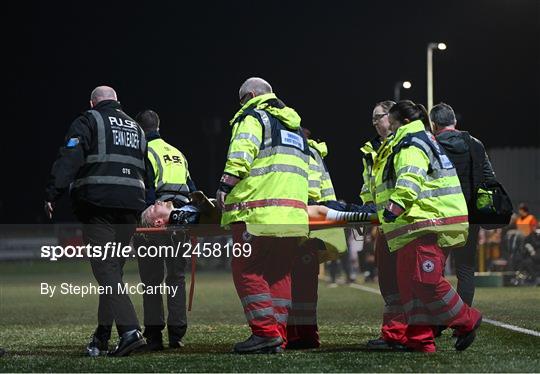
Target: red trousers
pixel 394 321
pixel 427 298
pixel 263 281
pixel 302 325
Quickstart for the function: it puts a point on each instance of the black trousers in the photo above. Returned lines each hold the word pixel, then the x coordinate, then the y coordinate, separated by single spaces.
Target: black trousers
pixel 152 273
pixel 465 263
pixel 102 226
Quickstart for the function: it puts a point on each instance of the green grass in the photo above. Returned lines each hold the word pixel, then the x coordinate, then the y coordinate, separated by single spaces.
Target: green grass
pixel 43 334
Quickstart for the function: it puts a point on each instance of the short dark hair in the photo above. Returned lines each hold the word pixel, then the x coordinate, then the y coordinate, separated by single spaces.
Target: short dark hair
pixel 148 120
pixel 524 207
pixel 443 115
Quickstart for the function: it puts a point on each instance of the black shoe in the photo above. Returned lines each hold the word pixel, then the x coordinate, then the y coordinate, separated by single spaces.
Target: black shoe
pixel 176 344
pixel 384 345
pixel 464 341
pixel 152 345
pixel 259 344
pixel 97 347
pixel 129 341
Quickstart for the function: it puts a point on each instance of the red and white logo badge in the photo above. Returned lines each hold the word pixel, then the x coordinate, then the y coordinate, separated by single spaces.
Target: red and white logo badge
pixel 428 266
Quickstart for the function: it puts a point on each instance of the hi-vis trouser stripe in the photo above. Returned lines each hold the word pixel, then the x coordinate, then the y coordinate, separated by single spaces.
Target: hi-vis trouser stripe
pixel 102 155
pixel 427 313
pixel 392 304
pixel 314 183
pixel 264 299
pixel 278 309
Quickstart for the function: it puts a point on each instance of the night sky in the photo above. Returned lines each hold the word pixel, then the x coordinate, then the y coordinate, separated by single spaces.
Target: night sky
pixel 331 61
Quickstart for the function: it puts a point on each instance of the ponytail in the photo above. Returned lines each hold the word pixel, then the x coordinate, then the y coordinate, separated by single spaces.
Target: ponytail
pixel 424 117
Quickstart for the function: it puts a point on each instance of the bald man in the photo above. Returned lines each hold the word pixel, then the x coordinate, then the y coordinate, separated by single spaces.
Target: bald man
pixel 102 163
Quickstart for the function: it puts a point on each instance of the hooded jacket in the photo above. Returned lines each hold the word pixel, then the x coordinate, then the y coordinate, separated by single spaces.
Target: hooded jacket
pixel 458 150
pixel 266 173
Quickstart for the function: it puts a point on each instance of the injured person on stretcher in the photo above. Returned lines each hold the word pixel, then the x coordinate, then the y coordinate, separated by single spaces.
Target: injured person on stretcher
pixel 203 210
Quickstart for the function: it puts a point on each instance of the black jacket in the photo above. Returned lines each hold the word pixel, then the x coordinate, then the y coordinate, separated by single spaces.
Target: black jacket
pixel 457 148
pixel 110 183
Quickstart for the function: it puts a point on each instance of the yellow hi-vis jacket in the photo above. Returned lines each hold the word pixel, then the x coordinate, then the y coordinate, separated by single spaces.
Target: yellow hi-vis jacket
pixel 321 189
pixel 267 163
pixel 411 171
pixel 170 168
pixel 369 151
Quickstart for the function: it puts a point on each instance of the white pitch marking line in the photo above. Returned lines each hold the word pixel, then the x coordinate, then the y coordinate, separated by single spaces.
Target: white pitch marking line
pixel 486 320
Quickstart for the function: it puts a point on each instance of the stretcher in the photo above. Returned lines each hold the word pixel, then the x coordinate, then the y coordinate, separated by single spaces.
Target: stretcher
pixel 209 228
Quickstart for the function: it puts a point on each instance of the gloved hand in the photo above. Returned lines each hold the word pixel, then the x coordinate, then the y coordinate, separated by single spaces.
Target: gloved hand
pixel 48 207
pixel 220 199
pixel 392 212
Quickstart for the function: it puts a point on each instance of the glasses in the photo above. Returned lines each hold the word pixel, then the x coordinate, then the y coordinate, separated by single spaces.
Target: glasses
pixel 376 118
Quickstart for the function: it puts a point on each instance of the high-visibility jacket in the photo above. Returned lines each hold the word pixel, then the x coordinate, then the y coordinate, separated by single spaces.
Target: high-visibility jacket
pixel 170 169
pixel 318 152
pixel 412 171
pixel 267 163
pixel 321 189
pixel 369 151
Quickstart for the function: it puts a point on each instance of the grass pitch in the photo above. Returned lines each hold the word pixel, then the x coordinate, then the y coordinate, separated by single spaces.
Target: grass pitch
pixel 44 334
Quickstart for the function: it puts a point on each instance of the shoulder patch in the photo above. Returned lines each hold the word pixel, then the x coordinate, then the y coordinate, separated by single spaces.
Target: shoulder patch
pixel 72 142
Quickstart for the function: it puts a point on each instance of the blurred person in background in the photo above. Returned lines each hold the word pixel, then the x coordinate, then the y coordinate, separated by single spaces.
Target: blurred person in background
pixel 459 146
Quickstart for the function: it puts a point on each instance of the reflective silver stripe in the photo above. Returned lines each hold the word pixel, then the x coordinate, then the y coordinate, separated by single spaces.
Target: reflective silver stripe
pixel 393 309
pixel 159 165
pixel 241 155
pixel 267 127
pixel 101 140
pixel 302 320
pixel 248 136
pixel 325 176
pixel 445 300
pixel 314 184
pixel 450 314
pixel 258 313
pixel 172 187
pixel 439 192
pixel 116 158
pixel 413 170
pixel 327 192
pixel 304 306
pixel 109 180
pixel 383 187
pixel 392 298
pixel 281 318
pixel 278 168
pixel 421 319
pixel 408 184
pixel 414 303
pixel 282 150
pixel 441 173
pixel 281 302
pixel 433 160
pixel 365 188
pixel 257 298
pixel 314 167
